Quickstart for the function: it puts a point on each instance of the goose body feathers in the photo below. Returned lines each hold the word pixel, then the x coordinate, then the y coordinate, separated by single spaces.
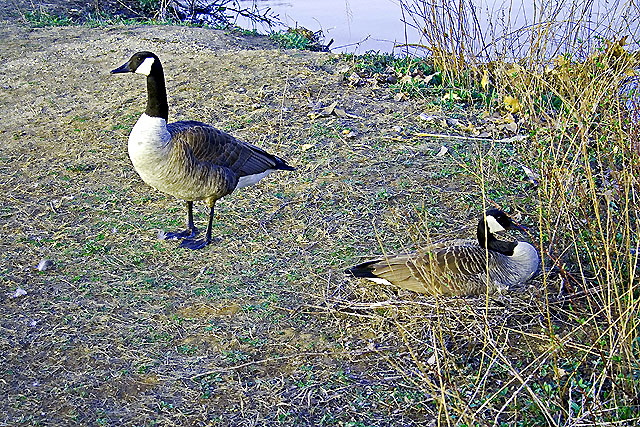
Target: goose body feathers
pixel 189 160
pixel 459 267
pixel 195 161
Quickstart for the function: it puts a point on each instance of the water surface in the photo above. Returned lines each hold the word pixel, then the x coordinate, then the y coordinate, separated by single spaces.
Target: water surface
pixel 357 26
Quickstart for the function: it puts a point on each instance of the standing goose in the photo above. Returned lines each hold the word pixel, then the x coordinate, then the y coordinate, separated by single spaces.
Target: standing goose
pixel 459 267
pixel 188 159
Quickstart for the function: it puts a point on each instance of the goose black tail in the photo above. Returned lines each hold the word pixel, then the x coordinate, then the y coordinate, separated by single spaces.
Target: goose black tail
pixel 282 165
pixel 364 270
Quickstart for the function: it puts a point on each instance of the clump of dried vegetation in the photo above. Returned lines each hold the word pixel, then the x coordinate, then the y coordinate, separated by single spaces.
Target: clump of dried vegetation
pixel 263 328
pixel 570 354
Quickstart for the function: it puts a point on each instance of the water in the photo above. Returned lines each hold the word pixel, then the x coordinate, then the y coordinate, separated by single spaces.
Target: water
pixel 357 26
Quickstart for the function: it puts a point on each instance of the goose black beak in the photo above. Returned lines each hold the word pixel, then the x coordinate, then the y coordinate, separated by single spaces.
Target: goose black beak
pixel 519 227
pixel 122 69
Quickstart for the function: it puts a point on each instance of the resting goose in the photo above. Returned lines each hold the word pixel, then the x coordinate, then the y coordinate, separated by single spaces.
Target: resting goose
pixel 459 267
pixel 187 159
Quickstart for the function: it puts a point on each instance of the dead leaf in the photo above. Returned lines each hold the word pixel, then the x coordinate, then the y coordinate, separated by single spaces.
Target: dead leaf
pixel 339 111
pixel 400 96
pixel 451 96
pixel 442 152
pixel 432 360
pixel 355 80
pixel 429 78
pixel 470 128
pixel 328 110
pixel 485 80
pixel 511 104
pixel 406 79
pixel 531 175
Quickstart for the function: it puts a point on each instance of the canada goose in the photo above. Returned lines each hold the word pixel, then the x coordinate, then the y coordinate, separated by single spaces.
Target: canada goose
pixel 459 267
pixel 188 159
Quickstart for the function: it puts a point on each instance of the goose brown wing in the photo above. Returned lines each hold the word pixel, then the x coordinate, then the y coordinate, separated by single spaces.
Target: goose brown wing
pixel 461 261
pixel 210 145
pixel 440 269
pixel 405 271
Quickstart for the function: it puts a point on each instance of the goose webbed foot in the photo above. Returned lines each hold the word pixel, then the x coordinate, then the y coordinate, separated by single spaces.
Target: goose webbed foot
pixel 189 241
pixel 194 244
pixel 189 233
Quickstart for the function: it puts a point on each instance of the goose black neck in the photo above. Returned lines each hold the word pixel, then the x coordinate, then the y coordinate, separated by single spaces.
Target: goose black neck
pixel 157 105
pixel 487 240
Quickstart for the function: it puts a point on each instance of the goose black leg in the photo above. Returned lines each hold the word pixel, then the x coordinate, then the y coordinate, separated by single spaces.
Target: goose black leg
pixel 200 243
pixel 191 230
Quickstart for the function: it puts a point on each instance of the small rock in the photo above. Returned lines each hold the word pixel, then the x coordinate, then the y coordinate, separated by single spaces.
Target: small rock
pixel 355 80
pixel 531 175
pixel 453 123
pixel 19 293
pixel 428 117
pixel 45 264
pixel 316 106
pixel 432 360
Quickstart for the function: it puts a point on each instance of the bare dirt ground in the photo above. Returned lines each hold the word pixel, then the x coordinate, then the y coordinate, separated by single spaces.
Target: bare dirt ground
pixel 260 328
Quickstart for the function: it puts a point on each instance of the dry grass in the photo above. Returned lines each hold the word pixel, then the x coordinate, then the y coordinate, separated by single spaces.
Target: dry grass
pixel 263 328
pixel 126 329
pixel 580 112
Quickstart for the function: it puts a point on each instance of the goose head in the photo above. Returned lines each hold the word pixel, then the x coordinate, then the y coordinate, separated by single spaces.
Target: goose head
pixel 495 221
pixel 498 221
pixel 141 63
pixel 148 64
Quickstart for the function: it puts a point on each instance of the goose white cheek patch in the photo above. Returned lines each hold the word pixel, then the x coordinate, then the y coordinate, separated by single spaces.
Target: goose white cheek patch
pixel 145 67
pixel 493 225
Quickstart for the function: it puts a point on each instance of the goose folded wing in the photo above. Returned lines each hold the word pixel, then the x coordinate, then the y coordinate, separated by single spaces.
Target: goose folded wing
pixel 462 261
pixel 211 145
pixel 404 271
